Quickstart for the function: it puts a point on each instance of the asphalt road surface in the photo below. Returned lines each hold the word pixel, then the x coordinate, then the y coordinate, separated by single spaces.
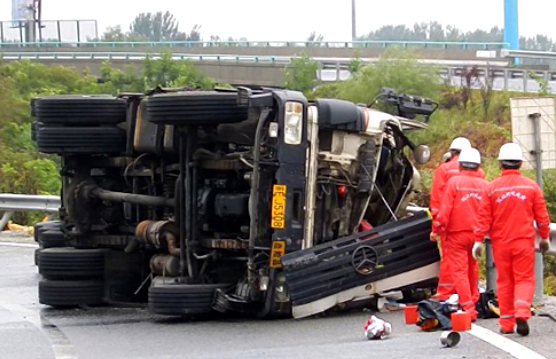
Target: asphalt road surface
pixel 29 330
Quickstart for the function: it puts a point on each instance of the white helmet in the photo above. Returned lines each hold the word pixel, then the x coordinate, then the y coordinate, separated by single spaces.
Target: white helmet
pixel 510 152
pixel 470 155
pixel 458 144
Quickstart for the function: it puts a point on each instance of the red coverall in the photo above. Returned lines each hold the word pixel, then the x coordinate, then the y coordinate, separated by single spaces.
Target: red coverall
pixel 440 177
pixel 458 212
pixel 508 209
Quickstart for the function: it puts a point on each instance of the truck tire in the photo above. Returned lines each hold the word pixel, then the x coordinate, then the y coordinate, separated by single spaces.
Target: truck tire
pixel 196 108
pixel 182 299
pixel 80 140
pixel 42 227
pixel 80 110
pixel 34 131
pixel 56 293
pixel 37 254
pixel 52 238
pixel 71 263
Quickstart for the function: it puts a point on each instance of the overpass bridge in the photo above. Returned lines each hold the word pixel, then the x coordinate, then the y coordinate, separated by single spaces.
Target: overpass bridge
pixel 263 63
pixel 266 70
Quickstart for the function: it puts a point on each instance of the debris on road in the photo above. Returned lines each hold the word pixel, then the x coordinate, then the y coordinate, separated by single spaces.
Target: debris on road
pixel 376 328
pixel 450 339
pixel 461 321
pixel 435 315
pixel 19 228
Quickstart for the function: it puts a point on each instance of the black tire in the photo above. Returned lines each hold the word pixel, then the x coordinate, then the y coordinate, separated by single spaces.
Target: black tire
pixel 52 238
pixel 34 131
pixel 82 140
pixel 71 263
pixel 33 104
pixel 37 254
pixel 57 293
pixel 196 108
pixel 42 227
pixel 80 110
pixel 182 299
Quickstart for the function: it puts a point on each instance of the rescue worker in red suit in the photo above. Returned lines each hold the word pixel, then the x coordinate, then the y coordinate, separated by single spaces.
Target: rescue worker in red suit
pixel 507 211
pixel 441 175
pixel 456 219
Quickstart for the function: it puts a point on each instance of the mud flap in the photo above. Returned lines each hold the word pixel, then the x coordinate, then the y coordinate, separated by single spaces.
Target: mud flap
pixel 394 256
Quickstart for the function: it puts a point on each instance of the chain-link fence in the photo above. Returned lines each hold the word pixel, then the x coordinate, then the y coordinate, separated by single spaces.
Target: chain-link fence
pixel 48 31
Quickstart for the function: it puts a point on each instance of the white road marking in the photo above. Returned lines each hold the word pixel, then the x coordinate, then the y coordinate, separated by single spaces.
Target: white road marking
pixel 515 349
pixel 22 245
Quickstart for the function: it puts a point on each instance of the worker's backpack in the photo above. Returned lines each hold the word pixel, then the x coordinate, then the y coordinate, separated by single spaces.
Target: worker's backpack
pixel 487 305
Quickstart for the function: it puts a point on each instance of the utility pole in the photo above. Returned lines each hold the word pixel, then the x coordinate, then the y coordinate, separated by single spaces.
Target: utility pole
pixel 353 21
pixel 38 17
pixel 511 25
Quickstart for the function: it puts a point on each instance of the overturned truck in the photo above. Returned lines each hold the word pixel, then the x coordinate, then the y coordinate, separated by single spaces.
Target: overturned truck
pixel 249 200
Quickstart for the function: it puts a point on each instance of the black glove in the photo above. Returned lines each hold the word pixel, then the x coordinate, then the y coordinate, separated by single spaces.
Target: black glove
pixel 544 246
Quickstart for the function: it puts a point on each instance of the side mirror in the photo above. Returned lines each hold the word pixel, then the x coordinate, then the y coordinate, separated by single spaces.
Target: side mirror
pixel 422 154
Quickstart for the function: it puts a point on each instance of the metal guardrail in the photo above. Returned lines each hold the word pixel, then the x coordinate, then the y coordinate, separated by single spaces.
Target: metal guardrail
pixel 527 54
pixel 11 203
pixel 9 55
pixel 267 59
pixel 324 44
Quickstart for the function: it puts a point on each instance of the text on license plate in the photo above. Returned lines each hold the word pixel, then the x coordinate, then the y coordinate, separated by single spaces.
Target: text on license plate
pixel 278 207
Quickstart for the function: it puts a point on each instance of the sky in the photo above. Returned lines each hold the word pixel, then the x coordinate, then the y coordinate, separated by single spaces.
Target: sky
pixel 294 20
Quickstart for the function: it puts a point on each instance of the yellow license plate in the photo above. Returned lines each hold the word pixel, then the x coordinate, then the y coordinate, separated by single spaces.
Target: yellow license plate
pixel 277 251
pixel 278 220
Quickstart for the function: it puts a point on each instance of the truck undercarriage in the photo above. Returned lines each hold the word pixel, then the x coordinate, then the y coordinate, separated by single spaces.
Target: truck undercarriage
pixel 254 201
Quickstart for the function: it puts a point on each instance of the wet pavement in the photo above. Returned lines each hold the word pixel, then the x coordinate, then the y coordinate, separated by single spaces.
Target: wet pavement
pixel 31 330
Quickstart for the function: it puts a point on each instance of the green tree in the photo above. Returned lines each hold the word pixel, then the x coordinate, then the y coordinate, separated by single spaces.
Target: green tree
pixel 155 27
pixel 301 75
pixel 355 65
pixel 115 81
pixel 114 34
pixel 395 69
pixel 315 39
pixel 160 27
pixel 166 72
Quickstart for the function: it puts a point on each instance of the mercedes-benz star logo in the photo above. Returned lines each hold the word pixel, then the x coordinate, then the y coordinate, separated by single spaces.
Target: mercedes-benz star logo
pixel 364 260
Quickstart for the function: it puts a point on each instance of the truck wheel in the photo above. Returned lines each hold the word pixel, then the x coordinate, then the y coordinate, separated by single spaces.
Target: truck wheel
pixel 37 254
pixel 45 226
pixel 80 110
pixel 182 299
pixel 57 293
pixel 84 140
pixel 52 238
pixel 71 263
pixel 196 108
pixel 34 131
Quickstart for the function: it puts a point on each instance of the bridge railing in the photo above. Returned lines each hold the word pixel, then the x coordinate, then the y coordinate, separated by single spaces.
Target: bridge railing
pixel 265 44
pixel 506 78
